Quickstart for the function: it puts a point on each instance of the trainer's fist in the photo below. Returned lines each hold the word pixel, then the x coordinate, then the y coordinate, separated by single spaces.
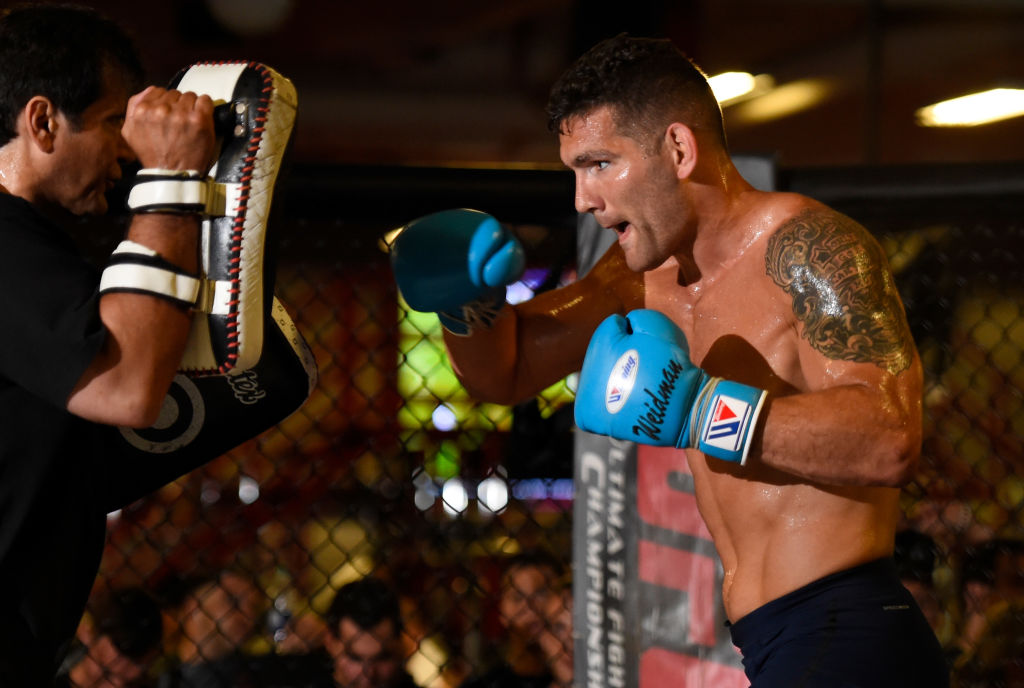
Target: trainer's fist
pixel 638 384
pixel 456 263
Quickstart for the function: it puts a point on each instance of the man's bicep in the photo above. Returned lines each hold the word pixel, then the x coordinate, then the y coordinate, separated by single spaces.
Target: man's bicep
pixel 841 290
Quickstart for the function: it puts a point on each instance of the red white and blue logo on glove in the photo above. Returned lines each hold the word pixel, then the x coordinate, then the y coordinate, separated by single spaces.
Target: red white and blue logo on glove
pixel 621 381
pixel 725 424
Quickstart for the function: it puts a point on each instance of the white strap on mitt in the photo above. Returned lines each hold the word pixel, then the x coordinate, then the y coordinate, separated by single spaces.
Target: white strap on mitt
pixel 141 270
pixel 156 190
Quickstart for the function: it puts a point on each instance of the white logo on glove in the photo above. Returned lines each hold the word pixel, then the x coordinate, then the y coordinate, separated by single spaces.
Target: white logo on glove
pixel 620 381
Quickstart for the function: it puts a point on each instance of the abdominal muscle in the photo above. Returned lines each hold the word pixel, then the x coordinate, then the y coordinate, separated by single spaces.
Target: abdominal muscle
pixel 775 535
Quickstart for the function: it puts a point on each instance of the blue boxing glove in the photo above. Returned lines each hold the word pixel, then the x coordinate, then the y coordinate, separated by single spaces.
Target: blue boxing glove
pixel 638 384
pixel 456 263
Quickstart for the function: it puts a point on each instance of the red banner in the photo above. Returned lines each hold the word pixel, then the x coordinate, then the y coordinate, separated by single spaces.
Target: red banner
pixel 648 609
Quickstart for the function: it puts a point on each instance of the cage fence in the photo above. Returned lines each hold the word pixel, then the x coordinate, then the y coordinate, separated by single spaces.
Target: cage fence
pixel 392 471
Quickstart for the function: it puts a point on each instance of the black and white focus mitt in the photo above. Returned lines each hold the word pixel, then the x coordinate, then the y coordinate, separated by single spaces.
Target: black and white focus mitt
pixel 206 416
pixel 231 298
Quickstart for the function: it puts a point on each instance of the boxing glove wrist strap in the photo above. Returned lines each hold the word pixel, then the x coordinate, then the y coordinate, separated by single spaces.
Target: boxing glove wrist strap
pixel 137 269
pixel 476 315
pixel 724 418
pixel 184 192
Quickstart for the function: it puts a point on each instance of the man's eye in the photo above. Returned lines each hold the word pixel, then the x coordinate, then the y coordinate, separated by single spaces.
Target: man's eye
pixel 601 164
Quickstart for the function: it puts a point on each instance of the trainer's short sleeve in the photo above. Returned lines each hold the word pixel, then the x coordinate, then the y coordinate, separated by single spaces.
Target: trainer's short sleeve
pixel 48 293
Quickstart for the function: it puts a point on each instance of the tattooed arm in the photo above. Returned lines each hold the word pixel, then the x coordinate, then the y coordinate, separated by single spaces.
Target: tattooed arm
pixel 860 422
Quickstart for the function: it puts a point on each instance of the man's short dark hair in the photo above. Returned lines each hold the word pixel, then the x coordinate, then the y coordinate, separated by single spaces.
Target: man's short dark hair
pixel 131 619
pixel 63 52
pixel 648 83
pixel 537 558
pixel 367 602
pixel 915 553
pixel 982 560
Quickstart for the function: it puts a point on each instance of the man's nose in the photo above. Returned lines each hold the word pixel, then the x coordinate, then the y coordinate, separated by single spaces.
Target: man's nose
pixel 586 200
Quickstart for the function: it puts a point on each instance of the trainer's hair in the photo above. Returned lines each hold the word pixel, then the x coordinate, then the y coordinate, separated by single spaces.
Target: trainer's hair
pixel 367 602
pixel 648 83
pixel 63 52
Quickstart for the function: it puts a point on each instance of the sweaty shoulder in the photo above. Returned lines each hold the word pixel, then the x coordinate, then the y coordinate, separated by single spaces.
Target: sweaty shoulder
pixel 841 288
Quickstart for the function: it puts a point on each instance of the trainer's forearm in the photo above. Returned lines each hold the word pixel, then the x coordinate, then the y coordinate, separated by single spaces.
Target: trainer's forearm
pixel 127 380
pixel 174 237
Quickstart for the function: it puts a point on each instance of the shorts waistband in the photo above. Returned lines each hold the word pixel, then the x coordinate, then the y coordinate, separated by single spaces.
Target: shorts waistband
pixel 755 622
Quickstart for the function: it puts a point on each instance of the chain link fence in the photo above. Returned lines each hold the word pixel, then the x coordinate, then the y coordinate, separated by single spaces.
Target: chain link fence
pixel 391 471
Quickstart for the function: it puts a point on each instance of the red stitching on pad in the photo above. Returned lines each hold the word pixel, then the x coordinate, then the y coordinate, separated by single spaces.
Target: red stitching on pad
pixel 238 227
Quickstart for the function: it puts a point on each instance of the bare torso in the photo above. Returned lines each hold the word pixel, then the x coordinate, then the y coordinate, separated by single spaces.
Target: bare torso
pixel 773 531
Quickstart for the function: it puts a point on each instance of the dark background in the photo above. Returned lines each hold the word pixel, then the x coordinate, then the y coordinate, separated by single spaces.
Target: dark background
pixel 460 81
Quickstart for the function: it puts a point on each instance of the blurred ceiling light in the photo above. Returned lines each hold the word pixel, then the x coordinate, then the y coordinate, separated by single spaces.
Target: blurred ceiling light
pixel 974 109
pixel 783 101
pixel 732 87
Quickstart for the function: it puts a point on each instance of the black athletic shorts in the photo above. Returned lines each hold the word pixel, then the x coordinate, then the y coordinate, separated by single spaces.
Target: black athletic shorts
pixel 858 628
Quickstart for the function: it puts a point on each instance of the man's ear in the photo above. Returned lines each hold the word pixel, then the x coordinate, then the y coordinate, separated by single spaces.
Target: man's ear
pixel 332 644
pixel 682 145
pixel 39 117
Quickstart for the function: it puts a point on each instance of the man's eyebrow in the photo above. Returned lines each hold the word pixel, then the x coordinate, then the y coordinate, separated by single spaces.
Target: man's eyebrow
pixel 589 156
pixel 383 654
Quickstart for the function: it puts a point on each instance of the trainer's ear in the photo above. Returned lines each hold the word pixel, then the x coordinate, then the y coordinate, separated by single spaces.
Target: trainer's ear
pixel 682 145
pixel 39 117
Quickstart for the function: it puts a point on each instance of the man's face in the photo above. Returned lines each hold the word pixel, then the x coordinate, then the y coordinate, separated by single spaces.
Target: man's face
pixel 525 599
pixel 365 657
pixel 85 161
pixel 221 616
pixel 108 668
pixel 629 187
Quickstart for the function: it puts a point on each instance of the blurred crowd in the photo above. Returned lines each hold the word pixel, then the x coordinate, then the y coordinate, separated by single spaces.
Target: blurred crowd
pixel 222 631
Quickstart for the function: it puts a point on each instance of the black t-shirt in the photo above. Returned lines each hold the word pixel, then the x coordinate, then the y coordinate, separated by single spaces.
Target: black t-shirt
pixel 503 676
pixel 51 474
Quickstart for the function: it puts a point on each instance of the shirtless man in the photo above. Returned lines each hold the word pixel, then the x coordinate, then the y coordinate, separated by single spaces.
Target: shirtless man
pixel 770 290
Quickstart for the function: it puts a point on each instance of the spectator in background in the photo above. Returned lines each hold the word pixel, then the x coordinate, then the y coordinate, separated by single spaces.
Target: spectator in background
pixel 992 574
pixel 915 555
pixel 557 640
pixel 991 642
pixel 219 616
pixel 364 637
pixel 530 589
pixel 118 643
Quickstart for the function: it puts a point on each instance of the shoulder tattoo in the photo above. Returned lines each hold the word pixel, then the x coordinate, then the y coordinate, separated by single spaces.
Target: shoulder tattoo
pixel 842 290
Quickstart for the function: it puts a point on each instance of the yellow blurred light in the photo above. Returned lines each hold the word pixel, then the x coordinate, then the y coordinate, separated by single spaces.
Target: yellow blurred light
pixel 976 108
pixel 731 87
pixel 784 100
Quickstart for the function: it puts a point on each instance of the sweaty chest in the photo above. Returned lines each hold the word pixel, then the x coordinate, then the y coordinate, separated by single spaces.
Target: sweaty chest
pixel 738 325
